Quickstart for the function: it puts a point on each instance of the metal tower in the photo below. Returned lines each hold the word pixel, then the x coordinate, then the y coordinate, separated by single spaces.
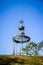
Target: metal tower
pixel 20 39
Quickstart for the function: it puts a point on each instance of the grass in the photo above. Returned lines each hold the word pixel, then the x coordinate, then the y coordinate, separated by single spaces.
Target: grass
pixel 20 60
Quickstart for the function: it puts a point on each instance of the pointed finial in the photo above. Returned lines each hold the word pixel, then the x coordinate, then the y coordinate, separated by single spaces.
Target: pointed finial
pixel 21 27
pixel 21 21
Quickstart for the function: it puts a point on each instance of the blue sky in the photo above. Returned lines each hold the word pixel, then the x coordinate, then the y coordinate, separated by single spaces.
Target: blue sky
pixel 11 12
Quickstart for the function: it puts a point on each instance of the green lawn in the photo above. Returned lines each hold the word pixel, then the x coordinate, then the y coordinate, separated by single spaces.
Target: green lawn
pixel 20 60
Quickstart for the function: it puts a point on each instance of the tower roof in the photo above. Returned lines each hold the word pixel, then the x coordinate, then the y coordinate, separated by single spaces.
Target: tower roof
pixel 21 37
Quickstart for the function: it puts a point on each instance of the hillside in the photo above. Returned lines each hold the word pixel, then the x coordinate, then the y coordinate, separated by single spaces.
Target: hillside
pixel 20 60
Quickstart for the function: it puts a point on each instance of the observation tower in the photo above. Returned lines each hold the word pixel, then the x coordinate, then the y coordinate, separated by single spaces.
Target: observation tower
pixel 20 40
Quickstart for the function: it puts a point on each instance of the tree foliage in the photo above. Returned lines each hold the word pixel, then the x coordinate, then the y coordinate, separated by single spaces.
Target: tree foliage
pixel 32 48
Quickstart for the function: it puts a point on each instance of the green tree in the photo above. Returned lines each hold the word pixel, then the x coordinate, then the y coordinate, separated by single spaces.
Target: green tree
pixel 32 48
pixel 40 45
